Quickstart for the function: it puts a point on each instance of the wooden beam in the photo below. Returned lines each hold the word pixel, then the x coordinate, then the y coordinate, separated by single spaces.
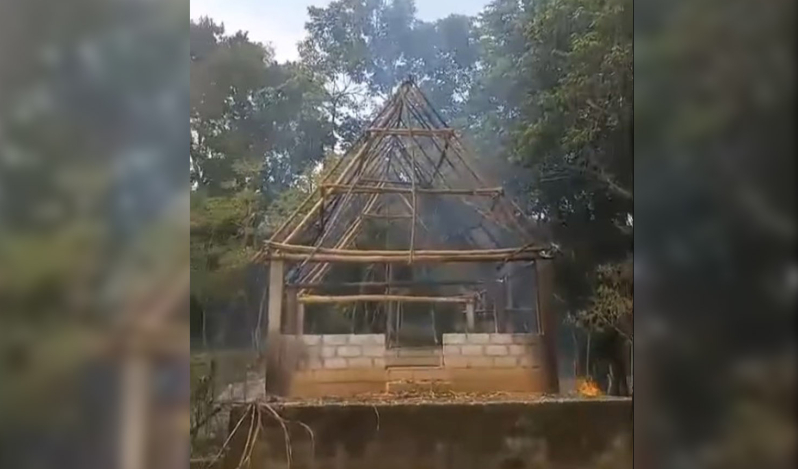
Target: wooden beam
pixel 299 322
pixel 547 325
pixel 365 189
pixel 387 216
pixel 276 284
pixel 387 284
pixel 306 299
pixel 296 248
pixel 470 317
pixel 417 258
pixel 414 210
pixel 135 386
pixel 420 131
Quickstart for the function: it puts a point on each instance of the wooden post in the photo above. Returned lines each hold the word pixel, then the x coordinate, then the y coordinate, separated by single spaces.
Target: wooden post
pixel 276 285
pixel 500 303
pixel 547 322
pixel 300 318
pixel 136 381
pixel 470 320
pixel 275 381
pixel 291 310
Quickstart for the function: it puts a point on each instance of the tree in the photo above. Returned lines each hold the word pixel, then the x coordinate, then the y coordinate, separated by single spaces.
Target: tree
pixel 574 86
pixel 373 45
pixel 248 110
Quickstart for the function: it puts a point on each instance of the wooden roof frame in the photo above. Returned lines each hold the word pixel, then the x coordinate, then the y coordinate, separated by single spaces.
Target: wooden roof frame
pixel 335 213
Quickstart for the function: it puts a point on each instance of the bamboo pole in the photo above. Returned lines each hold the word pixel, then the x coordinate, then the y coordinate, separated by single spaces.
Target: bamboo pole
pixel 357 189
pixel 389 284
pixel 373 259
pixel 414 209
pixel 470 204
pixel 388 114
pixel 362 139
pixel 318 204
pixel 295 248
pixel 424 132
pixel 416 92
pixel 401 298
pixel 386 216
pixel 354 229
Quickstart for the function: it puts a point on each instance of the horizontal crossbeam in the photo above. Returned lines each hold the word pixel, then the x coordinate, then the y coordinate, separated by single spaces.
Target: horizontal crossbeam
pixel 296 248
pixel 392 284
pixel 309 299
pixel 417 259
pixel 420 132
pixel 364 189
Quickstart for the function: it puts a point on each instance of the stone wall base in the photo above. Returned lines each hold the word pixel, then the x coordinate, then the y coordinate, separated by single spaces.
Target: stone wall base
pixel 347 365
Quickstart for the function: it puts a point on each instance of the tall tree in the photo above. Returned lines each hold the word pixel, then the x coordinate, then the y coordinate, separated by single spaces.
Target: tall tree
pixel 576 130
pixel 573 86
pixel 249 111
pixel 256 125
pixel 375 44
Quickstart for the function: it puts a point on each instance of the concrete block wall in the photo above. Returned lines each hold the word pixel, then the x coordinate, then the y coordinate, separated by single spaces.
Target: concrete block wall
pixel 492 351
pixel 342 351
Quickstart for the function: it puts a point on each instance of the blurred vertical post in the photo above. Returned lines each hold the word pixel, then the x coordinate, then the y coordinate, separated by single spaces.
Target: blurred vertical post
pixel 135 379
pixel 273 336
pixel 276 287
pixel 547 321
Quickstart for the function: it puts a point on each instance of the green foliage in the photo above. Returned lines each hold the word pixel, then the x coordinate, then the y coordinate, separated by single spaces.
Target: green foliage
pixel 611 306
pixel 574 133
pixel 254 122
pixel 221 244
pixel 376 44
pixel 580 55
pixel 290 199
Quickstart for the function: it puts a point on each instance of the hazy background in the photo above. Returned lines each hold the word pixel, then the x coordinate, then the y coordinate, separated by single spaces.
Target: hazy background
pixel 94 96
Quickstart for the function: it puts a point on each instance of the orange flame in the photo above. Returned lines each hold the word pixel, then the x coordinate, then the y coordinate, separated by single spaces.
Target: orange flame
pixel 588 388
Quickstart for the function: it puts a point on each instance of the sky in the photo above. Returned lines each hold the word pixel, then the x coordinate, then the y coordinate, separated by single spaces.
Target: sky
pixel 281 23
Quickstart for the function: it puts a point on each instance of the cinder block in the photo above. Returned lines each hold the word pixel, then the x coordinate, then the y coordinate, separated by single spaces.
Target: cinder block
pixel 328 351
pixel 527 361
pixel 451 350
pixel 367 339
pixel 501 339
pixel 312 364
pixel 360 362
pixel 524 338
pixel 471 350
pixel 505 362
pixel 480 362
pixel 477 338
pixel 335 363
pixel 311 339
pixel 454 339
pixel 379 362
pixel 518 350
pixel 349 351
pixel 419 352
pixel 312 352
pixel 335 339
pixel 455 361
pixel 373 351
pixel 496 350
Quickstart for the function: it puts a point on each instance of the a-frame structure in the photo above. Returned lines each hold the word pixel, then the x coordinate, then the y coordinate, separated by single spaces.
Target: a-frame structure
pixel 407 193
